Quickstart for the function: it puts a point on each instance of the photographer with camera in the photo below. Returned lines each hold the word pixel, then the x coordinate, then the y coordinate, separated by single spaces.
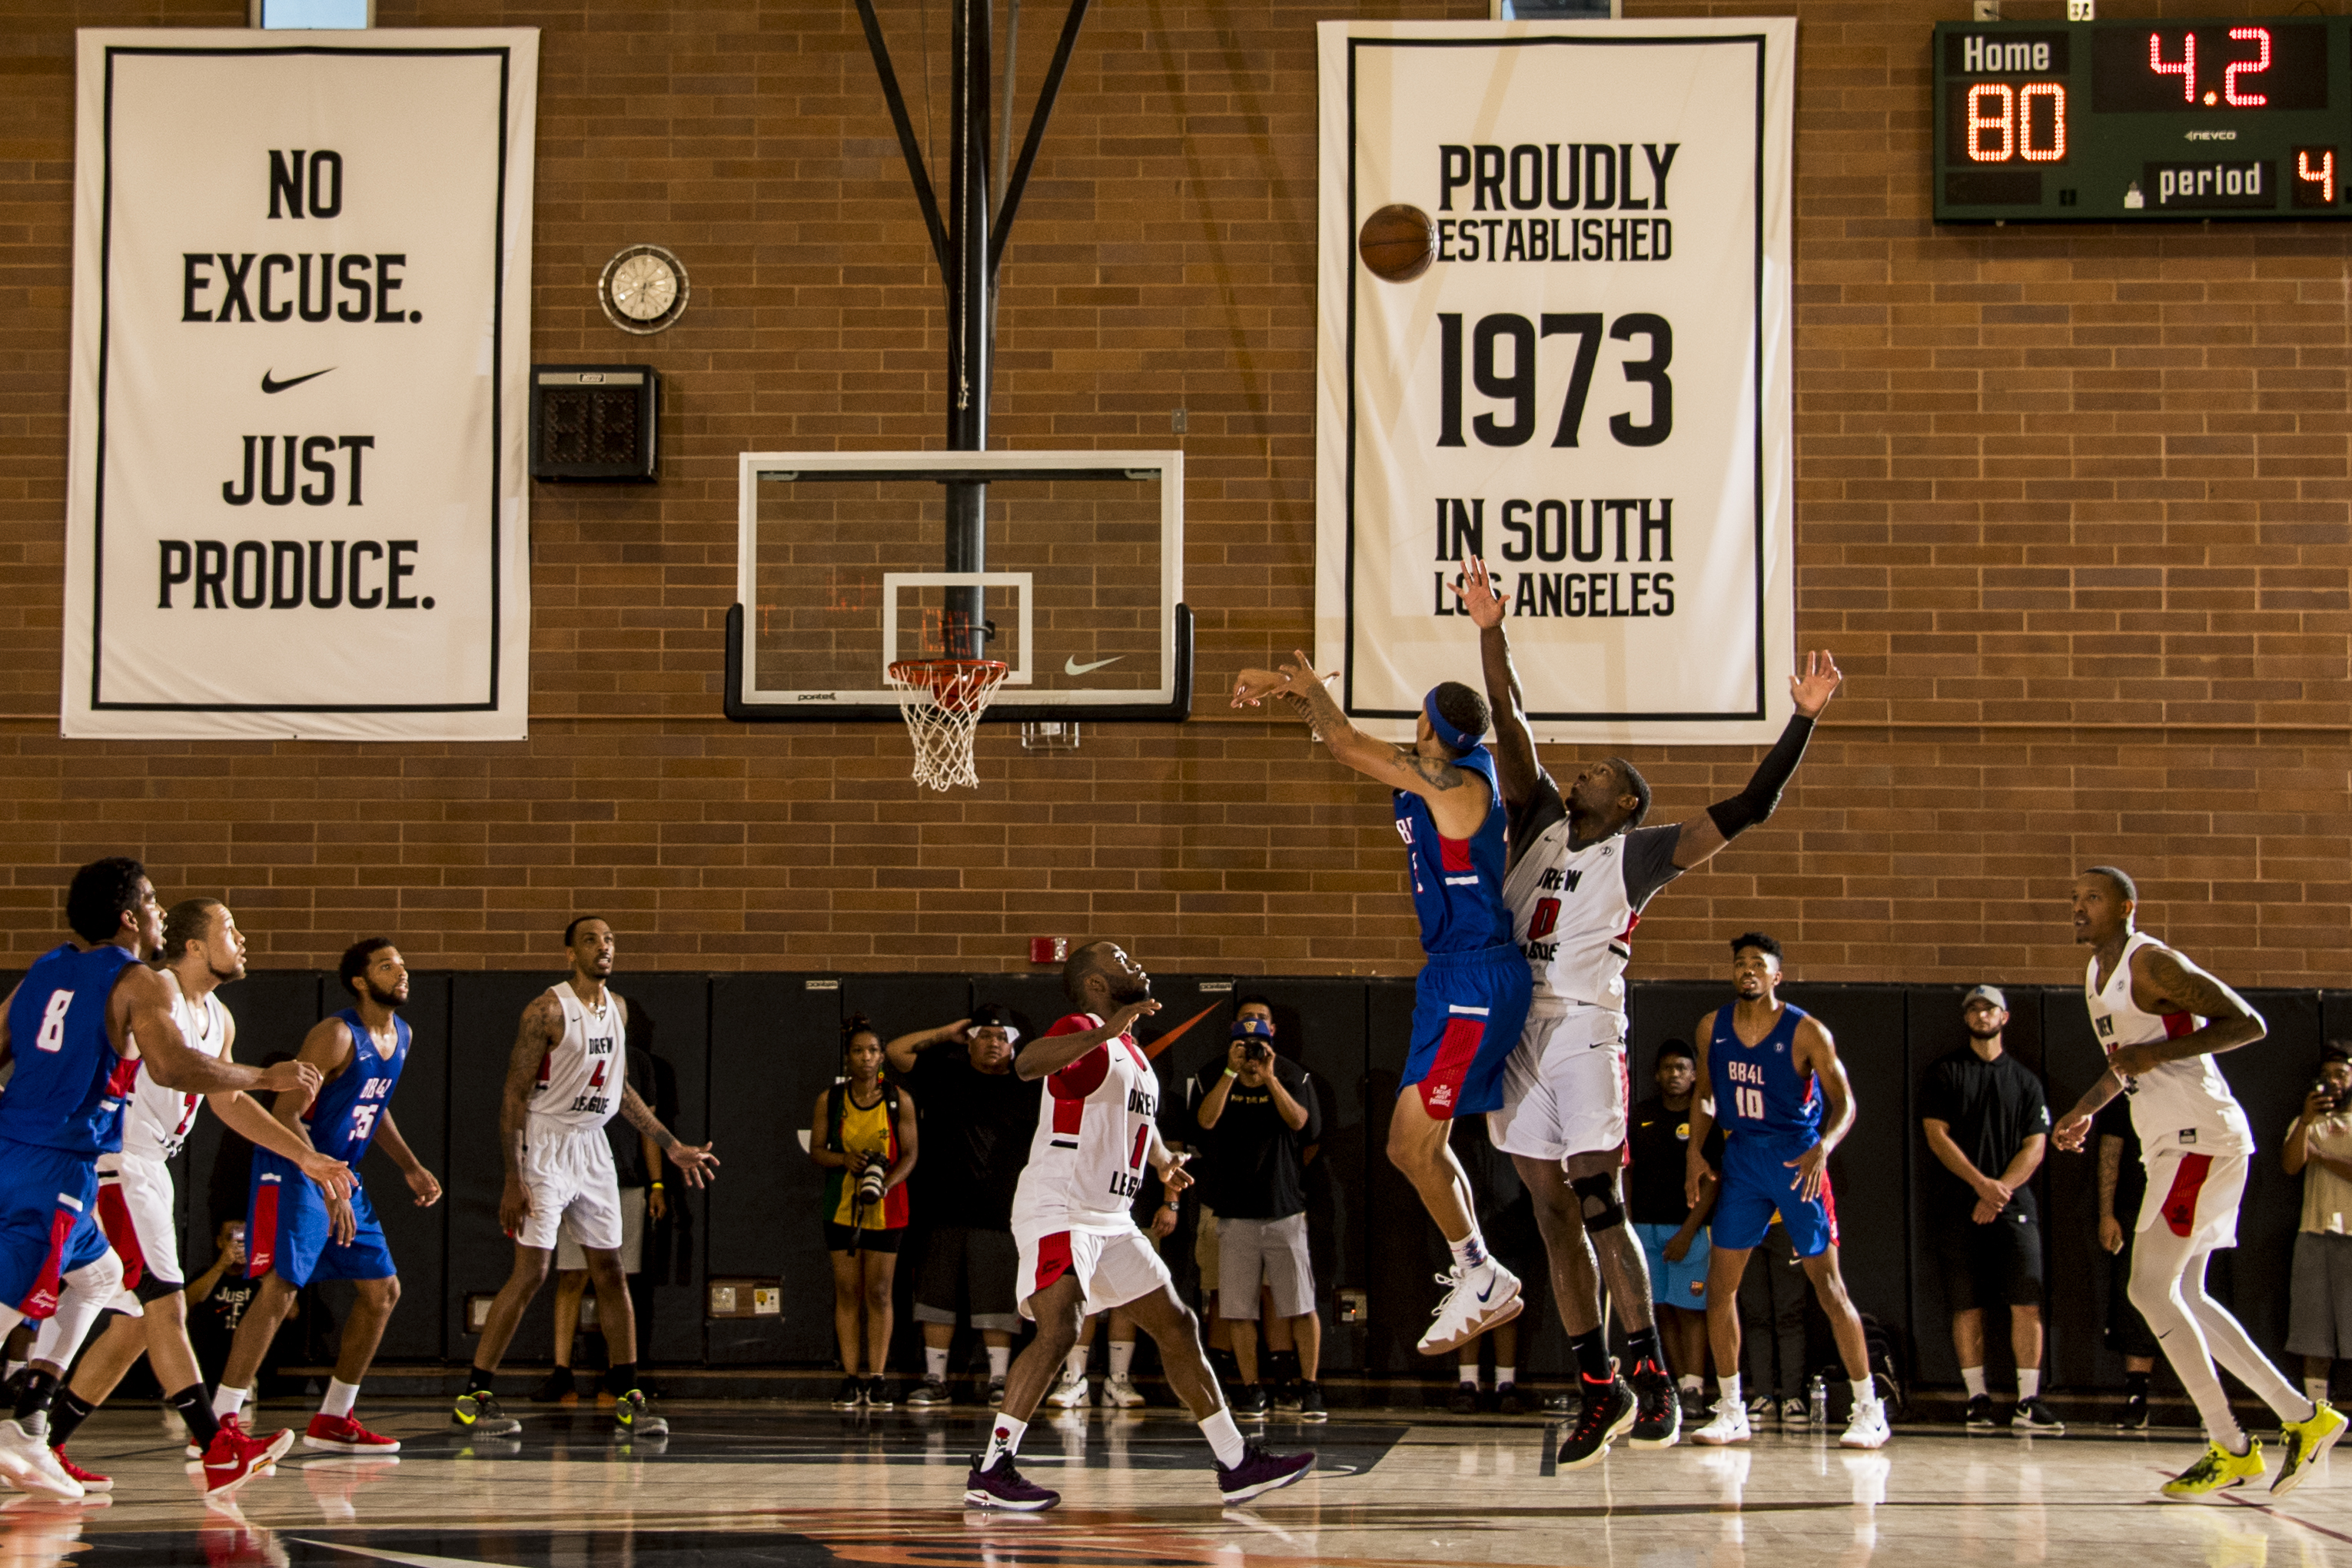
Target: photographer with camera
pixel 2319 1147
pixel 862 1134
pixel 1258 1117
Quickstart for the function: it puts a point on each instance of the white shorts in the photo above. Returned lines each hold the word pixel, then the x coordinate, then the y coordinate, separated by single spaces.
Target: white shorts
pixel 2195 1196
pixel 568 1254
pixel 138 1211
pixel 1113 1268
pixel 574 1191
pixel 1564 1086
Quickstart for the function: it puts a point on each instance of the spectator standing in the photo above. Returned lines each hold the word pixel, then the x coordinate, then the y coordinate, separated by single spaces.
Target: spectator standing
pixel 1258 1115
pixel 2123 1183
pixel 862 1132
pixel 636 1162
pixel 1988 1124
pixel 2319 1147
pixel 977 1120
pixel 1671 1233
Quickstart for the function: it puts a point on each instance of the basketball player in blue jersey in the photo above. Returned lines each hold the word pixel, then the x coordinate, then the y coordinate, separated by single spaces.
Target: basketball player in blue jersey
pixel 1582 869
pixel 1471 996
pixel 1770 1068
pixel 82 1016
pixel 295 1235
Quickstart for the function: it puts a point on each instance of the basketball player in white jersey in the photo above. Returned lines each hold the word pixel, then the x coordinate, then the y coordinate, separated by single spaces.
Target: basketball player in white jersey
pixel 1080 1250
pixel 564 1081
pixel 2161 1021
pixel 202 950
pixel 1581 869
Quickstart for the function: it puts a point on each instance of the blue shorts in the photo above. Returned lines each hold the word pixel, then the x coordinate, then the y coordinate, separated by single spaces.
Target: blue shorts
pixel 48 1222
pixel 286 1232
pixel 1757 1180
pixel 1680 1284
pixel 1467 1011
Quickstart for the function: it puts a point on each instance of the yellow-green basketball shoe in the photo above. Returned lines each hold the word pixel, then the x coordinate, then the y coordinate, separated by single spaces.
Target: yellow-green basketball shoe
pixel 2303 1444
pixel 2217 1469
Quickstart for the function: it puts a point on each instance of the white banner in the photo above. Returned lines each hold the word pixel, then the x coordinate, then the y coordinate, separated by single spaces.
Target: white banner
pixel 301 346
pixel 1588 387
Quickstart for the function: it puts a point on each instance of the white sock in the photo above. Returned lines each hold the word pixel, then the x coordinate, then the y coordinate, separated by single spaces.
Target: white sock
pixel 1728 1387
pixel 1865 1393
pixel 1972 1379
pixel 1003 1440
pixel 935 1362
pixel 229 1401
pixel 1470 1253
pixel 1075 1364
pixel 1122 1357
pixel 2314 1389
pixel 1692 1383
pixel 2028 1384
pixel 341 1397
pixel 999 1360
pixel 1224 1437
pixel 1504 1375
pixel 1469 1375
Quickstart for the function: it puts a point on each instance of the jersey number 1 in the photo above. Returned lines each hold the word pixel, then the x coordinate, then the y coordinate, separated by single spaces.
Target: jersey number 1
pixel 1135 1161
pixel 1749 1104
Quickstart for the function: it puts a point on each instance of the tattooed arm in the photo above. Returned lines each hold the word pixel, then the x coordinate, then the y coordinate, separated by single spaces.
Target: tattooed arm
pixel 694 1162
pixel 1458 798
pixel 2164 982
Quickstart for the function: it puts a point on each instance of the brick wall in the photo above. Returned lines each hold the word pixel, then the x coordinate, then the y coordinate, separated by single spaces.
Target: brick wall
pixel 2070 510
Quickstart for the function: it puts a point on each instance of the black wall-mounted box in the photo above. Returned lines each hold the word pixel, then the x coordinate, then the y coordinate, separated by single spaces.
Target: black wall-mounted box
pixel 593 424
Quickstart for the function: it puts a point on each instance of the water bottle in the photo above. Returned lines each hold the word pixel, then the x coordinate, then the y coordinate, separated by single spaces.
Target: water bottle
pixel 1817 1399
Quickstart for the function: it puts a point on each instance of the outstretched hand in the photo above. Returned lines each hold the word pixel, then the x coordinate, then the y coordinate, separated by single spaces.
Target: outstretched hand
pixel 1477 591
pixel 1811 691
pixel 1252 686
pixel 695 1162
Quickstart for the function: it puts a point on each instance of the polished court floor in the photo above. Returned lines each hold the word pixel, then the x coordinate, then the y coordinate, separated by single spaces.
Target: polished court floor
pixel 797 1485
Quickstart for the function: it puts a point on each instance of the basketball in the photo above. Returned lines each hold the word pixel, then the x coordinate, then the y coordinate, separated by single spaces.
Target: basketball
pixel 1398 243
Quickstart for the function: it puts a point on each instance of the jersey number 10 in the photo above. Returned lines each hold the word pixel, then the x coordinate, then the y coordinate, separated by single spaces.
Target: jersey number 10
pixel 1747 1103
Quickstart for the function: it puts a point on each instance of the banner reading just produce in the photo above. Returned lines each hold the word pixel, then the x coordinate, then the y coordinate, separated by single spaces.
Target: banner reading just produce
pixel 1588 387
pixel 301 339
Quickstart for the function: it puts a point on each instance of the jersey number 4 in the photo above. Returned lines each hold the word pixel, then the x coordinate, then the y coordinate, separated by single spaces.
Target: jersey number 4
pixel 1747 1103
pixel 52 1035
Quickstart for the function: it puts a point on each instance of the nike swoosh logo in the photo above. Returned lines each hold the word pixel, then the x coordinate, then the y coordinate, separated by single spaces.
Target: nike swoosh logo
pixel 268 386
pixel 1487 1293
pixel 1072 667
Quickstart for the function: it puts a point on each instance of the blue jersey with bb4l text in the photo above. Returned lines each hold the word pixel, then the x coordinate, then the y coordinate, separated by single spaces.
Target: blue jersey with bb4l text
pixel 342 1119
pixel 1757 1088
pixel 1457 883
pixel 68 1085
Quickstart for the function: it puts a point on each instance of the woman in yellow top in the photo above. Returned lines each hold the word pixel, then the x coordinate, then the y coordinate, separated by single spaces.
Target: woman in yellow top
pixel 862 1134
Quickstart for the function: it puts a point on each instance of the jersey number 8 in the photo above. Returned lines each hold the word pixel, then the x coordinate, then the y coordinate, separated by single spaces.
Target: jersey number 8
pixel 52 1035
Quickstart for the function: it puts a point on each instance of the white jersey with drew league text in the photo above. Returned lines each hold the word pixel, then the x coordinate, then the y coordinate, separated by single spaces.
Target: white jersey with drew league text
pixel 156 1121
pixel 2184 1105
pixel 1094 1134
pixel 1573 910
pixel 580 1080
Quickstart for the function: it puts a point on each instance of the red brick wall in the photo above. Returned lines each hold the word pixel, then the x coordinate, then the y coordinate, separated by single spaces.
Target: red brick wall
pixel 2071 512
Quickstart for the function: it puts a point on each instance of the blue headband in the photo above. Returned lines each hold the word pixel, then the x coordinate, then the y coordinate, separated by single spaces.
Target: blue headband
pixel 1456 739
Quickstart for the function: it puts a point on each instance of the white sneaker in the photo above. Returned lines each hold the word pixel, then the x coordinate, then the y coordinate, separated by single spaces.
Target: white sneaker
pixel 1069 1391
pixel 1730 1426
pixel 1119 1393
pixel 27 1464
pixel 1474 1302
pixel 1868 1428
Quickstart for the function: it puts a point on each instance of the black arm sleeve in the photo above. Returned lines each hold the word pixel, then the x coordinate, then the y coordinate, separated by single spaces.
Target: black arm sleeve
pixel 1753 805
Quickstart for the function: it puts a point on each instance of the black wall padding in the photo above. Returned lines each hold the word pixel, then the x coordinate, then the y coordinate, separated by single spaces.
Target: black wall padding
pixel 669 1019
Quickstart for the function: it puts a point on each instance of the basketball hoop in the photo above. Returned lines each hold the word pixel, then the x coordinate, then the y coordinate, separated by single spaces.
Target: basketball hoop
pixel 941 700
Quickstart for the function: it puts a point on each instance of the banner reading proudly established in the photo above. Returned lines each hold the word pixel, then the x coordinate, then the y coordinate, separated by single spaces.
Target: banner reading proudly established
pixel 1588 387
pixel 301 344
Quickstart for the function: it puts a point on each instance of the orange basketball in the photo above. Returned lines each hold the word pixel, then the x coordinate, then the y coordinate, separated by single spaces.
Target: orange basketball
pixel 1398 243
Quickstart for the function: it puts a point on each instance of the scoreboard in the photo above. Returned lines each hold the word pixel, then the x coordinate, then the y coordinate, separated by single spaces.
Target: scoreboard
pixel 2161 120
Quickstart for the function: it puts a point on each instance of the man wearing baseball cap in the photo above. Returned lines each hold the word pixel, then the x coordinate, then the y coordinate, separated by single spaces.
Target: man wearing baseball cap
pixel 1988 1126
pixel 978 1118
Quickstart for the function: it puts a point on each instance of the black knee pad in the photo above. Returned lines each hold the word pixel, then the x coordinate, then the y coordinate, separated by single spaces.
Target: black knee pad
pixel 1599 1197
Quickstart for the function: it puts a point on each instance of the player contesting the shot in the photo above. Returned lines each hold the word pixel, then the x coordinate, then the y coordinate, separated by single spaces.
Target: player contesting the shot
pixel 1471 996
pixel 1080 1250
pixel 2161 1021
pixel 1582 867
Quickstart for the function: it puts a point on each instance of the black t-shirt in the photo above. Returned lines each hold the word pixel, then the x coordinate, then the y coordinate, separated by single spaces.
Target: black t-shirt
pixel 212 1322
pixel 2114 1120
pixel 1992 1108
pixel 1659 1141
pixel 975 1130
pixel 1253 1164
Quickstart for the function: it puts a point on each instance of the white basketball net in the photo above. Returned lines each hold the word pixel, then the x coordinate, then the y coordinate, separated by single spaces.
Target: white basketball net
pixel 941 700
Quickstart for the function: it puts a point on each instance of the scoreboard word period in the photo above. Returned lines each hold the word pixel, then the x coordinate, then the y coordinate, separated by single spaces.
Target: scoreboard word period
pixel 2157 120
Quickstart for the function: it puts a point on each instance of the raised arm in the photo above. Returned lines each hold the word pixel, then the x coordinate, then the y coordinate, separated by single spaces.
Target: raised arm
pixel 2174 985
pixel 901 1052
pixel 1049 1054
pixel 1456 796
pixel 139 1009
pixel 1816 1052
pixel 1703 836
pixel 1515 744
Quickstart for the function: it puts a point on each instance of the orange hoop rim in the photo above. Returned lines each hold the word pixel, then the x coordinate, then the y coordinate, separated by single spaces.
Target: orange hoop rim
pixel 951 682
